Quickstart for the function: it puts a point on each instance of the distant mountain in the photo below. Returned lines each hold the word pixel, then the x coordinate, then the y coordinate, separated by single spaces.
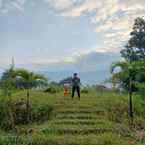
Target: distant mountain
pixel 96 61
pixel 93 68
pixel 92 77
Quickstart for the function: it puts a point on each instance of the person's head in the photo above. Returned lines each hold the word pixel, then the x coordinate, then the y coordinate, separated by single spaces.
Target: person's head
pixel 75 74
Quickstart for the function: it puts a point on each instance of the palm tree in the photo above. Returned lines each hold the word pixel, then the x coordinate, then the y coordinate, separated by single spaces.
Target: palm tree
pixel 28 80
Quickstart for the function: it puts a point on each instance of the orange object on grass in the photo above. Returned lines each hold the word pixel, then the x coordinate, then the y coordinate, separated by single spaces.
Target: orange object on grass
pixel 66 92
pixel 66 89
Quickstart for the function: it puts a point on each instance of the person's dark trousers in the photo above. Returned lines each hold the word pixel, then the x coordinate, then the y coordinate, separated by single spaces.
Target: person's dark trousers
pixel 74 89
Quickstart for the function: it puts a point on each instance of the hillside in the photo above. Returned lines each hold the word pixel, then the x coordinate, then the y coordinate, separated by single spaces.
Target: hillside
pixel 97 119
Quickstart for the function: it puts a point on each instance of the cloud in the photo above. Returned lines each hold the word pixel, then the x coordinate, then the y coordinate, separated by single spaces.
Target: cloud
pixel 92 61
pixel 9 5
pixel 112 18
pixel 96 61
pixel 133 2
pixel 86 7
pixel 0 3
pixel 60 4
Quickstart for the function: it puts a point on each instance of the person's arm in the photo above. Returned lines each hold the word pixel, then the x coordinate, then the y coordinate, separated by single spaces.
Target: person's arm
pixel 72 82
pixel 79 81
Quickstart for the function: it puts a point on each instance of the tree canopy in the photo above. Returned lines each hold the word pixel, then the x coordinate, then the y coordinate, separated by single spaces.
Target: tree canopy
pixel 135 48
pixel 133 66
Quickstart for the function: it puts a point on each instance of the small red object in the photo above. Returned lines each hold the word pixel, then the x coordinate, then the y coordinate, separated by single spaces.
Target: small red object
pixel 66 89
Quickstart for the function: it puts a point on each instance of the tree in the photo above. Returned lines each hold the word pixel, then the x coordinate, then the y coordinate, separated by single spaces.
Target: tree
pixel 7 81
pixel 133 52
pixel 66 80
pixel 128 77
pixel 125 78
pixel 121 71
pixel 133 68
pixel 7 84
pixel 29 80
pixel 135 48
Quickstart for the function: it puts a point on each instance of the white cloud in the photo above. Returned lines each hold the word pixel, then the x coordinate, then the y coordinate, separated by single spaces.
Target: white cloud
pixel 129 3
pixel 0 3
pixel 86 7
pixel 17 6
pixel 60 4
pixel 68 60
pixel 113 18
pixel 6 6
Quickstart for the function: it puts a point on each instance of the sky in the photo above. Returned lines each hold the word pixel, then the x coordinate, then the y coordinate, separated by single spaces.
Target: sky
pixel 57 33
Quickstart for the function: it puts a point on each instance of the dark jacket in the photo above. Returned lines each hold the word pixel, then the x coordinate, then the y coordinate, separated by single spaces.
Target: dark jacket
pixel 76 82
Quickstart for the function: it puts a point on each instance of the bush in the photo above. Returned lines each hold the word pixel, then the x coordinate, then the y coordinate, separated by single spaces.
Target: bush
pixel 38 113
pixel 12 114
pixel 41 113
pixel 51 89
pixel 20 110
pixel 141 90
pixel 6 116
pixel 85 91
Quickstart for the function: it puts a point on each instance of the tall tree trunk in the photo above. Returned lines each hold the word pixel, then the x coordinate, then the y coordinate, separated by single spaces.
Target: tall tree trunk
pixel 130 100
pixel 130 105
pixel 11 109
pixel 28 106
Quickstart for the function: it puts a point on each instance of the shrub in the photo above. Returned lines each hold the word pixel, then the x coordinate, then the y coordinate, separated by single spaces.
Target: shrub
pixel 12 114
pixel 141 90
pixel 41 113
pixel 51 89
pixel 85 91
pixel 38 113
pixel 6 116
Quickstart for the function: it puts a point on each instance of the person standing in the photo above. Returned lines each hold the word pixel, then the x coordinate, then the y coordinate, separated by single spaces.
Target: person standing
pixel 76 85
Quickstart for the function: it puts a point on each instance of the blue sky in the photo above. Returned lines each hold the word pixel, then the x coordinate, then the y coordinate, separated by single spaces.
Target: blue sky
pixel 47 32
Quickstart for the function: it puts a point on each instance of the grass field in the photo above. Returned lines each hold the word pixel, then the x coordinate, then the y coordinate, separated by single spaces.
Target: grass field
pixel 97 119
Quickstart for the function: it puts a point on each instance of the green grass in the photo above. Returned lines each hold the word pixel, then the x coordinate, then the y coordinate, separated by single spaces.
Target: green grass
pixel 97 119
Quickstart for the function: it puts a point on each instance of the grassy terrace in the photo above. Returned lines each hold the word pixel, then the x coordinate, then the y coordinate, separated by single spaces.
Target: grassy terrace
pixel 98 119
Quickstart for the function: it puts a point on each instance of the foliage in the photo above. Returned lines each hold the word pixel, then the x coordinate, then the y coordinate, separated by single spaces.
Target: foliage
pixel 66 80
pixel 51 89
pixel 41 113
pixel 133 68
pixel 134 71
pixel 26 79
pixel 85 90
pixel 141 90
pixel 7 81
pixel 134 65
pixel 20 78
pixel 135 48
pixel 6 115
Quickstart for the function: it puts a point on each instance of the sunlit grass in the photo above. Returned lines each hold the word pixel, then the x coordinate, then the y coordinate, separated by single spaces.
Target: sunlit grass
pixel 97 119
